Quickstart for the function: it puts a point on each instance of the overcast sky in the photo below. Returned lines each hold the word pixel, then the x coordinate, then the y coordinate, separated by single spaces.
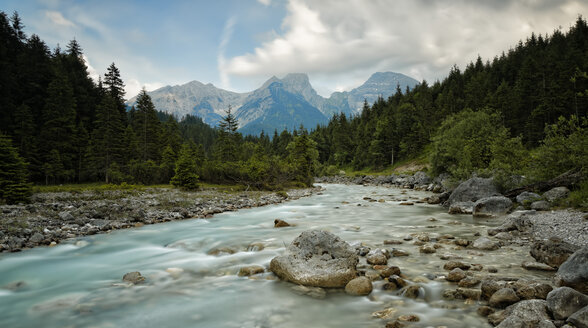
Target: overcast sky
pixel 238 44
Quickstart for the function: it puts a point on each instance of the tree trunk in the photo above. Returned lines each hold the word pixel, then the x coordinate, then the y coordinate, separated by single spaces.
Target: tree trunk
pixel 567 179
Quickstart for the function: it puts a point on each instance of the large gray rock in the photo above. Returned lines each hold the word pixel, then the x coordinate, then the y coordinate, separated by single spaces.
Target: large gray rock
pixel 530 313
pixel 485 244
pixel 317 258
pixel 556 194
pixel 420 178
pixel 472 190
pixel 527 197
pixel 503 297
pixel 564 301
pixel 540 205
pixel 580 318
pixel 574 271
pixel 461 208
pixel 552 252
pixel 492 206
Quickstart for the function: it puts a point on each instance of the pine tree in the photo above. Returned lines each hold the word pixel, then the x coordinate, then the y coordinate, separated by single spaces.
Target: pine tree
pixel 13 174
pixel 147 127
pixel 228 139
pixel 303 158
pixel 108 137
pixel 116 87
pixel 185 173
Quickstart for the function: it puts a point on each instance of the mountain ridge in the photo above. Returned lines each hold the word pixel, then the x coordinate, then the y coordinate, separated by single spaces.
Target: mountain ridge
pixel 210 102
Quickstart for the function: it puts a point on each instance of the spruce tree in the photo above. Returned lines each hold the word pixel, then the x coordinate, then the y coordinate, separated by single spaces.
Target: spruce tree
pixel 147 127
pixel 228 139
pixel 116 87
pixel 13 174
pixel 108 137
pixel 185 173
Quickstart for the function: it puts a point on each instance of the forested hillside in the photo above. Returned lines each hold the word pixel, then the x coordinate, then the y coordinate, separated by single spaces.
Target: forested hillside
pixel 522 113
pixel 60 126
pixel 515 95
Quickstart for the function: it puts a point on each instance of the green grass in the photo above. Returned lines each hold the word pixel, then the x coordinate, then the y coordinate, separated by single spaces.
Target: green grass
pixel 97 187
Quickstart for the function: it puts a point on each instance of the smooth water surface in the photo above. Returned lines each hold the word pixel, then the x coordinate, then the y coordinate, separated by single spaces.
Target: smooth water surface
pixel 79 282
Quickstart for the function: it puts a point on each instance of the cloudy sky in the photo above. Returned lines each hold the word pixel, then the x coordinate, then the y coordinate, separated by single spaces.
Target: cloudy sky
pixel 238 44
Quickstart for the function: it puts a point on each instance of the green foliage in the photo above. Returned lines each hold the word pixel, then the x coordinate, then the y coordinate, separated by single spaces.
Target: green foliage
pixel 303 159
pixel 464 142
pixel 185 173
pixel 14 187
pixel 565 147
pixel 579 198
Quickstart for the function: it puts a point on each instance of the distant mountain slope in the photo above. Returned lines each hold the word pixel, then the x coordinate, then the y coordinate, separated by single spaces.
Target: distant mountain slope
pixel 275 108
pixel 277 104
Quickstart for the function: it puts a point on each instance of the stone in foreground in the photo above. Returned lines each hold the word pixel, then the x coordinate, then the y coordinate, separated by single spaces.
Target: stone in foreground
pixel 359 286
pixel 317 258
pixel 574 271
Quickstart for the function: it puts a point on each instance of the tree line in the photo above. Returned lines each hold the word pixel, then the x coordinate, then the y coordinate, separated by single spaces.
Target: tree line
pixel 58 125
pixel 517 98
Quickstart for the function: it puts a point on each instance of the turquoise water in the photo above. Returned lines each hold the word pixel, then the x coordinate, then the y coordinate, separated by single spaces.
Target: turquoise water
pixel 79 282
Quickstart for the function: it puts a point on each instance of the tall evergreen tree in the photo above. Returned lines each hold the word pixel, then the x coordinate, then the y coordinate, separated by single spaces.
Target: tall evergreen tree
pixel 116 87
pixel 228 138
pixel 185 172
pixel 147 127
pixel 107 138
pixel 14 187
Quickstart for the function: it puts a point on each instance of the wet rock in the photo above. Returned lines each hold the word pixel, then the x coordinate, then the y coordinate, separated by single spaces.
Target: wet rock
pixel 455 275
pixel 462 242
pixel 255 247
pixel 392 242
pixel 472 190
pixel 485 310
pixel 468 282
pixel 133 277
pixel 574 271
pixel 503 298
pixel 217 251
pixel 377 257
pixel 552 252
pixel 15 286
pixel 409 318
pixel 456 264
pixel 359 286
pixel 317 258
pixel 385 314
pixel 395 324
pixel 485 244
pixel 504 236
pixel 537 266
pixel 362 250
pixel 407 238
pixel 540 205
pixel 492 206
pixel 412 291
pixel 387 271
pixel 314 292
pixel 527 290
pixel 250 270
pixel 564 301
pixel 406 203
pixel 396 280
pixel 530 313
pixel 434 199
pixel 527 197
pixel 556 194
pixel 399 252
pixel 427 249
pixel 279 223
pixel 580 318
pixel 461 208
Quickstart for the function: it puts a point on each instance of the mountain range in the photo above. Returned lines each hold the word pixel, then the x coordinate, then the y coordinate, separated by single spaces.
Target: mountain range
pixel 277 105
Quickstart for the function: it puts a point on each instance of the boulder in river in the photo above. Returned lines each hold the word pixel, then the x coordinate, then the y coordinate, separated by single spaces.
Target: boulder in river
pixel 461 208
pixel 279 223
pixel 580 318
pixel 317 258
pixel 492 206
pixel 529 313
pixel 527 197
pixel 503 297
pixel 564 301
pixel 552 252
pixel 134 277
pixel 472 190
pixel 574 271
pixel 485 244
pixel 540 205
pixel 359 286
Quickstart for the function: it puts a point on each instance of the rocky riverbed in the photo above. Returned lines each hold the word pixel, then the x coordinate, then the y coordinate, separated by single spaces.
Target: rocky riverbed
pixel 55 216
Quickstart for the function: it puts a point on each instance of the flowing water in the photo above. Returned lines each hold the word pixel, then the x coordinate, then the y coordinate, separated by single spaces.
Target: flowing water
pixel 79 282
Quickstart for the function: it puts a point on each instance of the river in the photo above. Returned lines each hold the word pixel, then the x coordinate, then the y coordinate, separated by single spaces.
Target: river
pixel 79 282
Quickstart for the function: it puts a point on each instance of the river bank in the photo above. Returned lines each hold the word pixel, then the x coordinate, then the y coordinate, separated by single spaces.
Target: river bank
pixel 52 217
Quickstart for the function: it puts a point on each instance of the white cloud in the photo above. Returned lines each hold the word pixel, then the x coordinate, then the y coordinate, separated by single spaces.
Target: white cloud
pixel 265 2
pixel 133 87
pixel 221 60
pixel 339 40
pixel 57 18
pixel 91 70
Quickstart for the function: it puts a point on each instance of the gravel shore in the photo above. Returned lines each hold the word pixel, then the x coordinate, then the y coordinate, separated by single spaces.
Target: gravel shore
pixel 56 216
